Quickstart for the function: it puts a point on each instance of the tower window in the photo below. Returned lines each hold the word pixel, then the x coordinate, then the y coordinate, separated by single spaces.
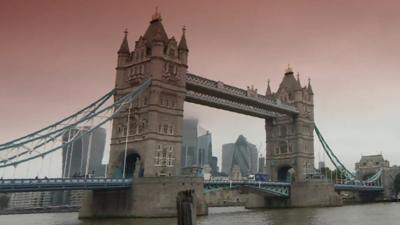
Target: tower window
pixel 172 53
pixel 141 68
pixel 145 101
pixel 165 128
pixel 170 68
pixel 148 51
pixel 142 54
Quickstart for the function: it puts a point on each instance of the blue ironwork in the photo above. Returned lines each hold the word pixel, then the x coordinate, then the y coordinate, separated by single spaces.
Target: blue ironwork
pixel 360 187
pixel 279 189
pixel 54 184
pixel 375 179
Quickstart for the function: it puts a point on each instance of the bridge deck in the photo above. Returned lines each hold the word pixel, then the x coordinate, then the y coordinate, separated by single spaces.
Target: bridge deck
pixel 54 184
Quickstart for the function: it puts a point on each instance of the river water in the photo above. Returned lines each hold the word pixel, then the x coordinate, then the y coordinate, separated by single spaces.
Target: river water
pixel 368 214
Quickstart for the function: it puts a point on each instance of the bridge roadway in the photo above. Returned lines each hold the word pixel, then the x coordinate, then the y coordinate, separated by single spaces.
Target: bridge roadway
pixel 216 94
pixel 280 189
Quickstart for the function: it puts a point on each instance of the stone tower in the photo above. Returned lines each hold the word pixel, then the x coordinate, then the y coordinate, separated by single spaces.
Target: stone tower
pixel 290 141
pixel 149 131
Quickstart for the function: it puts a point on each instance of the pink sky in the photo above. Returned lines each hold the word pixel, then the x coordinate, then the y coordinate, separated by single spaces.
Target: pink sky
pixel 58 56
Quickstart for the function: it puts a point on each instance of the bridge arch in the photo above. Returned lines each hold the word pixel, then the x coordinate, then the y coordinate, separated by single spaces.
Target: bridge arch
pixel 286 173
pixel 132 165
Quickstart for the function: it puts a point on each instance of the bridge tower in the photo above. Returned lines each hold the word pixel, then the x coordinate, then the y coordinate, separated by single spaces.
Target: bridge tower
pixel 290 141
pixel 148 133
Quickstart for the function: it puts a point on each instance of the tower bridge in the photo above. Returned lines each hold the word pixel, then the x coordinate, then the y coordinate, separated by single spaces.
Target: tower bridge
pixel 144 173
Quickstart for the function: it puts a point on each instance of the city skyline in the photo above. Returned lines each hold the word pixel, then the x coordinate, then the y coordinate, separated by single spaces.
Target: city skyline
pixel 351 67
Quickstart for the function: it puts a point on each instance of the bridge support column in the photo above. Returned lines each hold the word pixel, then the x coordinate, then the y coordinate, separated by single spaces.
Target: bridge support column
pixel 314 193
pixel 148 197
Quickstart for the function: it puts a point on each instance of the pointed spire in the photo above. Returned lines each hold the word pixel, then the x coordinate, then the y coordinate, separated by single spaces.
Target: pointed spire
pixel 156 31
pixel 309 88
pixel 288 70
pixel 268 89
pixel 182 43
pixel 124 49
pixel 298 79
pixel 156 16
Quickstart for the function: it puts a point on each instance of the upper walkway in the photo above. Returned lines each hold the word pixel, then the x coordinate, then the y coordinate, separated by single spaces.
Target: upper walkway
pixel 219 95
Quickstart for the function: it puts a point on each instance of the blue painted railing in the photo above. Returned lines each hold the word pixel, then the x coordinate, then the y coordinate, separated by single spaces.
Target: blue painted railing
pixel 280 189
pixel 53 184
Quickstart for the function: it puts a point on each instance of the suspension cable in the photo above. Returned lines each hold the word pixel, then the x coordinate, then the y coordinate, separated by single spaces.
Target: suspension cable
pixel 66 155
pixel 52 126
pixel 116 106
pixel 89 150
pixel 126 138
pixel 340 166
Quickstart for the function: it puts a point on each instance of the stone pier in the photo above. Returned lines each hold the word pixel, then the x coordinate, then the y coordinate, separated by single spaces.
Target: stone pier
pixel 314 193
pixel 148 197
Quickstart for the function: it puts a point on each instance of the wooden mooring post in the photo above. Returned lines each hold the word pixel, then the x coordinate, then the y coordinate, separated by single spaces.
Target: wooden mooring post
pixel 186 207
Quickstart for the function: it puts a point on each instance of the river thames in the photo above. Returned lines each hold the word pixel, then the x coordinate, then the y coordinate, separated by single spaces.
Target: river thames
pixel 367 214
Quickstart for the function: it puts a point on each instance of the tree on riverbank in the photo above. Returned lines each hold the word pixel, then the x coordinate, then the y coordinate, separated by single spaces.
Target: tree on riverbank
pixel 4 199
pixel 396 184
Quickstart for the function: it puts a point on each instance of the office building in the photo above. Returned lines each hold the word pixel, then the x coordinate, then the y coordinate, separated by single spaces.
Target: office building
pixel 241 154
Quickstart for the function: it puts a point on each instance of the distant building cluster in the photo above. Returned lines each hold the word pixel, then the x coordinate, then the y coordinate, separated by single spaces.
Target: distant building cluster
pixel 197 148
pixel 74 162
pixel 75 156
pixel 240 159
pixel 43 199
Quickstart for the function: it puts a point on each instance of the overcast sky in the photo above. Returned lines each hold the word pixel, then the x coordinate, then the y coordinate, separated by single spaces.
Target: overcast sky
pixel 58 56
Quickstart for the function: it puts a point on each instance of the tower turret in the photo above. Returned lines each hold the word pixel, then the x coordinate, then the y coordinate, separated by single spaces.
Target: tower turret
pixel 123 58
pixel 298 79
pixel 309 88
pixel 123 52
pixel 183 48
pixel 268 92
